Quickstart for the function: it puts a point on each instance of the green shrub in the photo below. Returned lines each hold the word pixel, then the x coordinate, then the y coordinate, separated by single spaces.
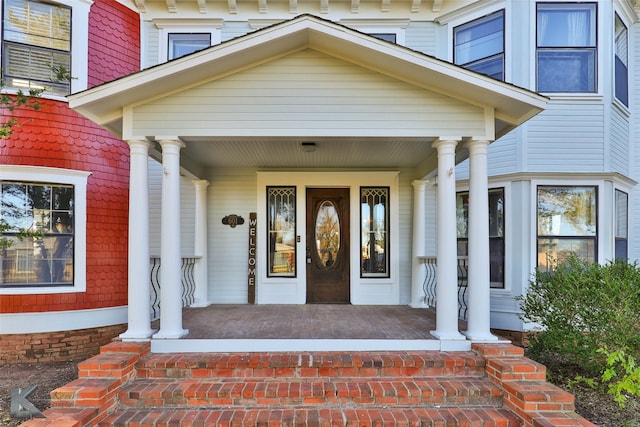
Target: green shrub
pixel 582 307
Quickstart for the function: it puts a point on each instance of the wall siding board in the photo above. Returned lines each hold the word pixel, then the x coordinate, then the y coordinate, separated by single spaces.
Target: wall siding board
pixel 634 100
pixel 619 142
pixel 567 138
pixel 406 235
pixel 421 36
pixel 231 191
pixel 317 93
pixel 151 40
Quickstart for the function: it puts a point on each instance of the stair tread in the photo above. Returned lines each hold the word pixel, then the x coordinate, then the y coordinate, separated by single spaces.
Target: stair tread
pixel 274 415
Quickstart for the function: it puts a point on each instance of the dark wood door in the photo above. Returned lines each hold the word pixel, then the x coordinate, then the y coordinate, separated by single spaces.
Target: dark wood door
pixel 327 245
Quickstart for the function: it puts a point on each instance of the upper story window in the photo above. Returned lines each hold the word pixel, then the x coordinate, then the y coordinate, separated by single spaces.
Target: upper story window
pixel 566 47
pixel 36 41
pixel 390 37
pixel 181 44
pixel 621 62
pixel 479 45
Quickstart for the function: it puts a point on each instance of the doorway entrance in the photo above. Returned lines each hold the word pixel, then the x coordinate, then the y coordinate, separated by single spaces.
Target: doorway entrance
pixel 327 245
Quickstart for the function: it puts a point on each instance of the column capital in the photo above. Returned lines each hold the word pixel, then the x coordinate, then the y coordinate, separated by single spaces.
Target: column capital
pixel 200 183
pixel 445 144
pixel 419 183
pixel 166 141
pixel 141 145
pixel 477 143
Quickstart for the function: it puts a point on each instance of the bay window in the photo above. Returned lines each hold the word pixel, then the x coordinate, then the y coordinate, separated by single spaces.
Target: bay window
pixel 479 45
pixel 566 224
pixel 621 62
pixel 621 224
pixel 496 232
pixel 566 47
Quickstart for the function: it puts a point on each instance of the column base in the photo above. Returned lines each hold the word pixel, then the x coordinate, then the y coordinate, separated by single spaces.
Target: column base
pixel 448 335
pixel 179 333
pixel 137 335
pixel 480 336
pixel 421 304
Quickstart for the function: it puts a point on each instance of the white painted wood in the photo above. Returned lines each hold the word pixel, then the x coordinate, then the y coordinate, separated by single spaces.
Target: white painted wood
pixel 308 94
pixel 619 143
pixel 53 321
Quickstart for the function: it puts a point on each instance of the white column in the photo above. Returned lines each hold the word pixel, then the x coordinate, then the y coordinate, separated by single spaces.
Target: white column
pixel 139 285
pixel 170 257
pixel 200 244
pixel 447 264
pixel 479 290
pixel 417 270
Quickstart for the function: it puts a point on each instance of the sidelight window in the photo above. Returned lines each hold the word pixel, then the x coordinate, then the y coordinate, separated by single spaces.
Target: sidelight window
pixel 374 231
pixel 281 238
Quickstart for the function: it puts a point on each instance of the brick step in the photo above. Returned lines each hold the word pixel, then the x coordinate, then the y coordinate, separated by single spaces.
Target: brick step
pixel 355 391
pixel 311 365
pixel 313 416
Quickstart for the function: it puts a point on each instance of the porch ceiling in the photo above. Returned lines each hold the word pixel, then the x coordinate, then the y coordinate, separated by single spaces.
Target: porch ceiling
pixel 328 153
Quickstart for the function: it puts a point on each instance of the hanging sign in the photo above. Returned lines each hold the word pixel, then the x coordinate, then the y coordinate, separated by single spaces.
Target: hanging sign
pixel 252 258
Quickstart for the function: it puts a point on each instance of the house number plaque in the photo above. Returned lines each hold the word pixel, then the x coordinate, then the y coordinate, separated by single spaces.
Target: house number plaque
pixel 252 258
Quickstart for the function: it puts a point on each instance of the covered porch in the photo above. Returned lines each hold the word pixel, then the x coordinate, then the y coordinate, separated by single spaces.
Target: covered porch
pixel 378 111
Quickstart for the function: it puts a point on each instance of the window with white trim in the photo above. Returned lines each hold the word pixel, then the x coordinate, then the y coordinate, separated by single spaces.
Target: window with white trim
pixel 622 224
pixel 181 44
pixel 566 224
pixel 52 203
pixel 496 232
pixel 374 232
pixel 479 45
pixel 621 61
pixel 281 231
pixel 566 53
pixel 36 41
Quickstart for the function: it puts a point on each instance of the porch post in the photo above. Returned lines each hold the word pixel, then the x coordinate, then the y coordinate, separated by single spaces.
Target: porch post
pixel 200 244
pixel 479 304
pixel 417 271
pixel 447 263
pixel 170 257
pixel 139 286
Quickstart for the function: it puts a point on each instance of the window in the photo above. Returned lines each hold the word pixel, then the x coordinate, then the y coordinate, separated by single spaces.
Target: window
pixel 621 62
pixel 479 45
pixel 36 41
pixel 622 224
pixel 374 232
pixel 390 37
pixel 184 44
pixel 281 223
pixel 496 232
pixel 566 224
pixel 566 47
pixel 47 259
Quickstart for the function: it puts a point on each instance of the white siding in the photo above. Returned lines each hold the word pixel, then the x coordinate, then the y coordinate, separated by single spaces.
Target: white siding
pixel 150 42
pixel 231 30
pixel 187 215
pixel 421 36
pixel 308 94
pixel 231 191
pixel 567 137
pixel 619 142
pixel 634 94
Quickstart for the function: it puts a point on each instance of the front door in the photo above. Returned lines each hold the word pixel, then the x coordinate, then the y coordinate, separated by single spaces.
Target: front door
pixel 327 248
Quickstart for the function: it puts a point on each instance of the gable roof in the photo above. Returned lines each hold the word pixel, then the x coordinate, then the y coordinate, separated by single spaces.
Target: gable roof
pixel 107 104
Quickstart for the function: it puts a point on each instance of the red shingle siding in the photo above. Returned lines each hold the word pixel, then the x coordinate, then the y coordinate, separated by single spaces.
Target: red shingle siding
pixel 114 41
pixel 56 136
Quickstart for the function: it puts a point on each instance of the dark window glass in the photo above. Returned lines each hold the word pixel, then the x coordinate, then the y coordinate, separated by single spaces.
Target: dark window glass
pixel 36 41
pixel 567 224
pixel 621 62
pixel 374 231
pixel 45 260
pixel 566 47
pixel 479 45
